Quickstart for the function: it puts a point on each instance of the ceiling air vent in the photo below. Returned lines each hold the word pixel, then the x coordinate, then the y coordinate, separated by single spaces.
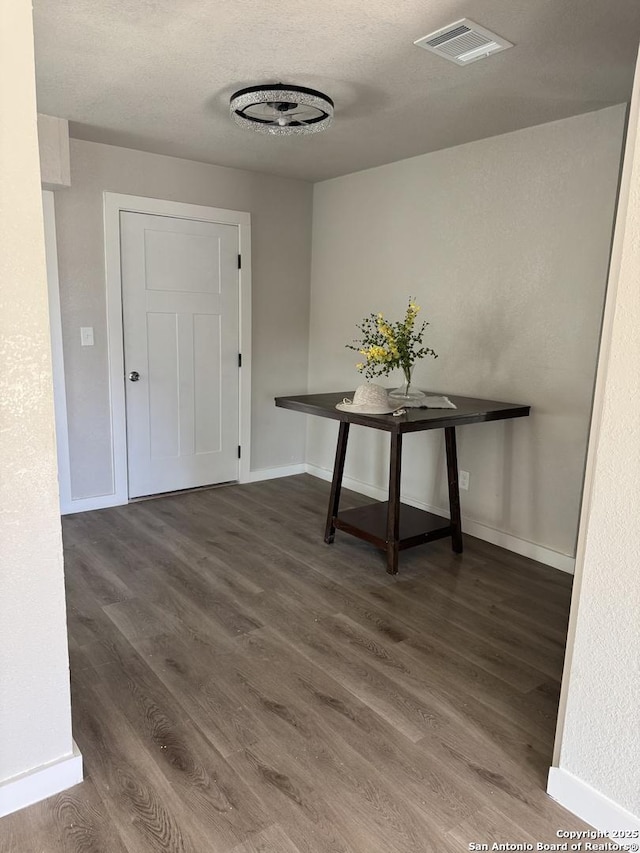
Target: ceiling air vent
pixel 463 42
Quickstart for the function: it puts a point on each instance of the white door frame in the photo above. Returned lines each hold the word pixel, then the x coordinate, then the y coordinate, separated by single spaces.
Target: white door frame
pixel 114 203
pixel 57 356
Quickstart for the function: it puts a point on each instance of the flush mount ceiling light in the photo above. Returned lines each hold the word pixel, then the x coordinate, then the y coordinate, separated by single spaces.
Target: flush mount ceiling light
pixel 281 109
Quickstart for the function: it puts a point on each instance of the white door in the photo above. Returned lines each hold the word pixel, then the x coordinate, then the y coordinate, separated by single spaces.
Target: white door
pixel 181 332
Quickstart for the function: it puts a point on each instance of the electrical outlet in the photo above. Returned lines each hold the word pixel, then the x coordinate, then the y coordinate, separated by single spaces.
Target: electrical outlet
pixel 463 480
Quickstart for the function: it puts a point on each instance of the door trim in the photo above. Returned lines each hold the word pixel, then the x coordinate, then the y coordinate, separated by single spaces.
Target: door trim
pixel 114 203
pixel 57 354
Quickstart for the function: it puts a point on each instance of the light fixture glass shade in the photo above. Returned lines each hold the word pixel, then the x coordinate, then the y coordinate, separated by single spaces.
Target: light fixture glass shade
pixel 281 109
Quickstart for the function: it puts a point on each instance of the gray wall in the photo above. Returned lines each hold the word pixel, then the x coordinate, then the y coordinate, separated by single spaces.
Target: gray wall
pixel 281 228
pixel 505 244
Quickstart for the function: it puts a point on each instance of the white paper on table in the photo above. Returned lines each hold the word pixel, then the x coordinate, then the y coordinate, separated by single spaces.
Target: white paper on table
pixel 430 403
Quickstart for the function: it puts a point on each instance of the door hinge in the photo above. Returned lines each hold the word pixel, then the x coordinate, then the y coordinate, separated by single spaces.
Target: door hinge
pixel 239 452
pixel 239 359
pixel 239 262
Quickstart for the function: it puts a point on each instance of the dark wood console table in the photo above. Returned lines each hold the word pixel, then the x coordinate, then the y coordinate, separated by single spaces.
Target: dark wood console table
pixel 391 525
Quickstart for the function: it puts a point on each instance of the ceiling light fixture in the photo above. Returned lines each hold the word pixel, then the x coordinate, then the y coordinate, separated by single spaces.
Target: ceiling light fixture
pixel 281 109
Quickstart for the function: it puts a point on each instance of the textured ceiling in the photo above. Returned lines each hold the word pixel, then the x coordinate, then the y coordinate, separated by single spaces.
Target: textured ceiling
pixel 157 74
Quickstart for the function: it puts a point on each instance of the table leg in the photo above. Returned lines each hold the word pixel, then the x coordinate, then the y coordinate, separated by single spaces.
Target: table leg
pixel 454 492
pixel 393 513
pixel 336 483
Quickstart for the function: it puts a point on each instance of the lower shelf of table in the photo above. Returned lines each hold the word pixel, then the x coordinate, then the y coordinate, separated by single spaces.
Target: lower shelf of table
pixel 370 523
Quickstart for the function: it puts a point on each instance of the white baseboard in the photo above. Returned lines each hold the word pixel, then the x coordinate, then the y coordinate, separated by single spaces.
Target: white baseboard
pixel 473 528
pixel 43 782
pixel 592 806
pixel 274 473
pixel 555 559
pixel 351 483
pixel 105 501
pixel 88 504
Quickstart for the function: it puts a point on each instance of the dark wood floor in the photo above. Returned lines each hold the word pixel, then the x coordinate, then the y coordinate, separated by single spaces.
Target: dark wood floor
pixel 240 686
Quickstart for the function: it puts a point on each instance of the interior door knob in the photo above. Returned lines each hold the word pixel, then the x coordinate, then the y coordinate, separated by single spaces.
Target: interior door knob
pixel 134 376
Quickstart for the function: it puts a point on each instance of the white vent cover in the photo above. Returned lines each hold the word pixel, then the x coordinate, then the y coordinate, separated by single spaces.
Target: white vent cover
pixel 463 42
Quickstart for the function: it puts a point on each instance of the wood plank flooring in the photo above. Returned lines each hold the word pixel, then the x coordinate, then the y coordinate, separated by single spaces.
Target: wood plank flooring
pixel 241 687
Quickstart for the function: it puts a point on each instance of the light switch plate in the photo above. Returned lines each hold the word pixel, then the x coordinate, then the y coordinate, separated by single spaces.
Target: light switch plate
pixel 86 336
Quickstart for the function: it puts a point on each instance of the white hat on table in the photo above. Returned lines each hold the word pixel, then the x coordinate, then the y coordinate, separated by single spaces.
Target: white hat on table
pixel 368 399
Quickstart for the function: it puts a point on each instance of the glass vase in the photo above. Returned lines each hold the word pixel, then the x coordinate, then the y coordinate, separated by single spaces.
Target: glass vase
pixel 407 393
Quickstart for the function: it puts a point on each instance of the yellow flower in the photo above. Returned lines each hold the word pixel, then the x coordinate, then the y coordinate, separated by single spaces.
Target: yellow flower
pixel 412 313
pixel 360 366
pixel 378 354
